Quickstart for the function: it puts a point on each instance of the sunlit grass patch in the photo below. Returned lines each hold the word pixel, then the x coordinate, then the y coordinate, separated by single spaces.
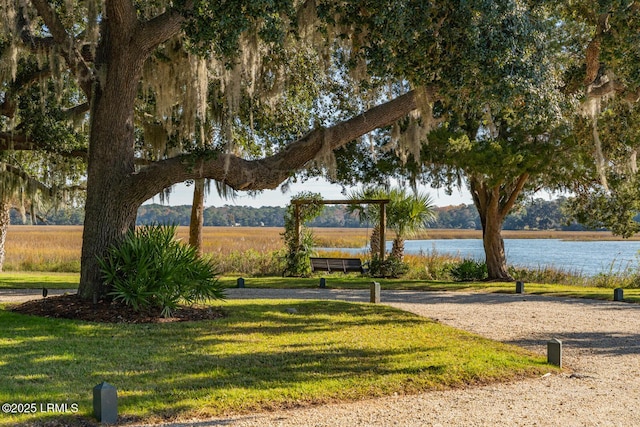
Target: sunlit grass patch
pixel 259 357
pixel 35 280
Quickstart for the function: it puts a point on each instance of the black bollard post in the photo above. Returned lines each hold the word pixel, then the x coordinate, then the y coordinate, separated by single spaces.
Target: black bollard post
pixel 105 403
pixel 618 294
pixel 519 287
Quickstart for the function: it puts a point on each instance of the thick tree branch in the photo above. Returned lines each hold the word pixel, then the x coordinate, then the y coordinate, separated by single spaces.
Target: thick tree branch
pixel 160 29
pixel 77 111
pixel 267 173
pixel 513 194
pixel 38 44
pixel 122 13
pixel 480 198
pixel 605 89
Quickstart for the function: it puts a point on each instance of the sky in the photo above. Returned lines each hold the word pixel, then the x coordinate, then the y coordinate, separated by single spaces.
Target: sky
pixel 182 195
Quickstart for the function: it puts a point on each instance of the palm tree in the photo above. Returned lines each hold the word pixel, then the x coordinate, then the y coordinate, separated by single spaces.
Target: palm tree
pixel 408 213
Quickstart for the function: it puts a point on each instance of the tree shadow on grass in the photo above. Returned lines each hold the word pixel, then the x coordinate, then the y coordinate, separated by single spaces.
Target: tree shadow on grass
pixel 167 369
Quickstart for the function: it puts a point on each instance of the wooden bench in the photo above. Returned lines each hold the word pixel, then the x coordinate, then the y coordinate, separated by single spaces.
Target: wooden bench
pixel 344 265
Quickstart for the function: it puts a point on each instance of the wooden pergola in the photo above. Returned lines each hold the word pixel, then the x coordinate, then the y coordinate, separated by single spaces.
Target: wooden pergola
pixel 383 214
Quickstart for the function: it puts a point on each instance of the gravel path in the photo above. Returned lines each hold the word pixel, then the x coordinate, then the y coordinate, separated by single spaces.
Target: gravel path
pixel 600 385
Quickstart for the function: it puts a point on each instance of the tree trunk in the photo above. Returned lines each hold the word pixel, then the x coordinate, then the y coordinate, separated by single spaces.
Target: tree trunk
pixel 494 247
pixel 5 217
pixel 494 202
pixel 397 250
pixel 197 216
pixel 110 209
pixel 374 243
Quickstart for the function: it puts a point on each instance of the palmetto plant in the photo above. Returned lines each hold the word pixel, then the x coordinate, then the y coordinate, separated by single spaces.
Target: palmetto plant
pixel 408 213
pixel 151 269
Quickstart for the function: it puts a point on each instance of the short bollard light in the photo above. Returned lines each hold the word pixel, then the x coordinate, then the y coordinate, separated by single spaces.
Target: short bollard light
pixel 554 352
pixel 375 292
pixel 519 287
pixel 105 403
pixel 618 294
pixel 323 282
pixel 240 282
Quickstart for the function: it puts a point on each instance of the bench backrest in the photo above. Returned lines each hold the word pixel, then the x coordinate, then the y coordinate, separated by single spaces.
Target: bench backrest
pixel 336 264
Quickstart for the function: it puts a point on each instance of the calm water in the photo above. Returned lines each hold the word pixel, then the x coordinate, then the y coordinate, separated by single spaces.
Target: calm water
pixel 588 258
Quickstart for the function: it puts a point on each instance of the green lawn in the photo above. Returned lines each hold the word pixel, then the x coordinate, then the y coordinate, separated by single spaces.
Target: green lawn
pixel 259 357
pixel 36 280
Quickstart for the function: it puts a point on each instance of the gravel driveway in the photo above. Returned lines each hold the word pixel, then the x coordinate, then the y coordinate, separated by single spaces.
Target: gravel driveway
pixel 600 385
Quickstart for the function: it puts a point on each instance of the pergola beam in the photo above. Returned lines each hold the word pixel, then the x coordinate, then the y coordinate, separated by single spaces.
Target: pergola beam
pixel 341 202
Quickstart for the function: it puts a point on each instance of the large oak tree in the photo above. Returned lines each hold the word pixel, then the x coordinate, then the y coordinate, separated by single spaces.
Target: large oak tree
pixel 119 51
pixel 581 138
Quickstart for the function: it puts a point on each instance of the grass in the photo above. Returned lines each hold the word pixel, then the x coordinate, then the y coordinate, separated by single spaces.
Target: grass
pixel 36 280
pixel 257 358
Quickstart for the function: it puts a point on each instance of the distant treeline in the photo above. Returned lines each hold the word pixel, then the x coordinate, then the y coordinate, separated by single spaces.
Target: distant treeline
pixel 535 214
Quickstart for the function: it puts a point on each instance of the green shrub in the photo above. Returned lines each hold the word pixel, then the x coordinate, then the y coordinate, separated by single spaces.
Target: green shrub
pixel 391 267
pixel 150 269
pixel 547 274
pixel 469 270
pixel 625 279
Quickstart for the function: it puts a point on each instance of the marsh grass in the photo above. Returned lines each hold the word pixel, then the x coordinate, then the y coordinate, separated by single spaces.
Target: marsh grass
pixel 40 248
pixel 257 358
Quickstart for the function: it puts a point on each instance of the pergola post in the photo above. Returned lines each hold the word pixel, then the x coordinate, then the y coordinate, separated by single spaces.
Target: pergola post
pixel 298 225
pixel 383 226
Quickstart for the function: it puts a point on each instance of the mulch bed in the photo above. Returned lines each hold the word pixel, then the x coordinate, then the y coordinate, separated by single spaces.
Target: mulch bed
pixel 72 307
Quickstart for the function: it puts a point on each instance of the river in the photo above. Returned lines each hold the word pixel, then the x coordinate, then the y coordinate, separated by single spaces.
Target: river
pixel 583 257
